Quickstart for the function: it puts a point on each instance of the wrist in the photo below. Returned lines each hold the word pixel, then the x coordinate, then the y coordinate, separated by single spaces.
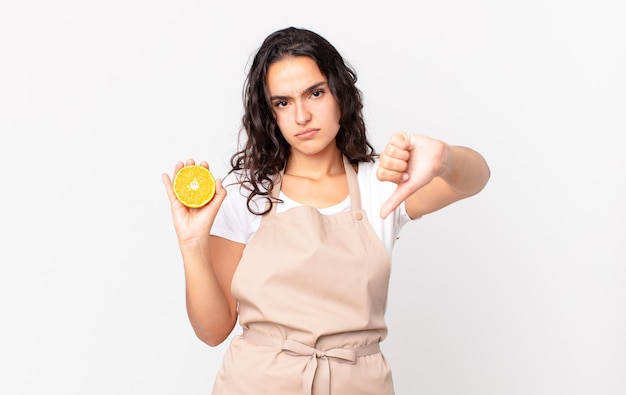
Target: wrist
pixel 200 242
pixel 448 157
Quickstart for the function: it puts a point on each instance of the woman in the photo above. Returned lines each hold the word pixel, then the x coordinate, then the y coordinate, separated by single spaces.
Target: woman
pixel 297 247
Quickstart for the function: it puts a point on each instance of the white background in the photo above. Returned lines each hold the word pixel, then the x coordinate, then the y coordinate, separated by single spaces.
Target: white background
pixel 519 290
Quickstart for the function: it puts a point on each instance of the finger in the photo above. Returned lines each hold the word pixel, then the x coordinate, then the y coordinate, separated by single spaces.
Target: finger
pixel 167 182
pixel 401 140
pixel 177 167
pixel 396 152
pixel 390 163
pixel 396 177
pixel 190 162
pixel 406 136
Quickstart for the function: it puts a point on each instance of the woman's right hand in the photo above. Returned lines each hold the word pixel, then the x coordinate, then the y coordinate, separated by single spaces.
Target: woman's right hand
pixel 209 267
pixel 193 224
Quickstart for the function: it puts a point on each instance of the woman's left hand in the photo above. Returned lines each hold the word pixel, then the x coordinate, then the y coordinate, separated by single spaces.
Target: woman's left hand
pixel 411 161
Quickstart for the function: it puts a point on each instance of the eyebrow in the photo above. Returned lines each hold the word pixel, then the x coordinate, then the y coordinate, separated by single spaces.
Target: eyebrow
pixel 304 92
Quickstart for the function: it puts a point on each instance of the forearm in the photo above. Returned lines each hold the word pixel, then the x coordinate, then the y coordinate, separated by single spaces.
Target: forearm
pixel 465 171
pixel 207 304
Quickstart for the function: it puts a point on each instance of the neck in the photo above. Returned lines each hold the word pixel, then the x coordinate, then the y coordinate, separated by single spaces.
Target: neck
pixel 315 166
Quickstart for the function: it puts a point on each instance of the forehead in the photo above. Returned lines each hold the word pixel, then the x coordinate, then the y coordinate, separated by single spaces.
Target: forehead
pixel 293 74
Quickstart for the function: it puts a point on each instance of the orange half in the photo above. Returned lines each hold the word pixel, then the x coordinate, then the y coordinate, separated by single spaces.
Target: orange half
pixel 194 186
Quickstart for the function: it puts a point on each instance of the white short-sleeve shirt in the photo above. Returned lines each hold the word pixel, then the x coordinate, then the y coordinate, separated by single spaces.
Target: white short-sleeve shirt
pixel 235 222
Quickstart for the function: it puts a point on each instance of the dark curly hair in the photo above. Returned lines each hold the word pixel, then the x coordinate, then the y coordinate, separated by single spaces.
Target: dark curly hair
pixel 265 151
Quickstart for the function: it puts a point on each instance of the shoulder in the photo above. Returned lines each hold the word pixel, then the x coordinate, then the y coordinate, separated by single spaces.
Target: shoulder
pixel 237 190
pixel 234 221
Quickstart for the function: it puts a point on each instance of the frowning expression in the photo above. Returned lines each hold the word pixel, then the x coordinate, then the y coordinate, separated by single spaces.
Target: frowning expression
pixel 305 110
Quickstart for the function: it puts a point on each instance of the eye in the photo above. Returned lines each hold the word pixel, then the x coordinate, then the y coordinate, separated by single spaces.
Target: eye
pixel 317 93
pixel 280 104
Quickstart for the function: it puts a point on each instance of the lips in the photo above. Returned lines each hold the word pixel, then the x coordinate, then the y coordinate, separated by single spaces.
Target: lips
pixel 308 133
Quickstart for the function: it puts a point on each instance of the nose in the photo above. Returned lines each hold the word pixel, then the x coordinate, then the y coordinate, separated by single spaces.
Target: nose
pixel 303 115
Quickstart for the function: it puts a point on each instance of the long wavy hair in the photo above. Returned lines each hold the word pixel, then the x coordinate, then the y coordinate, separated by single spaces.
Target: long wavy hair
pixel 265 151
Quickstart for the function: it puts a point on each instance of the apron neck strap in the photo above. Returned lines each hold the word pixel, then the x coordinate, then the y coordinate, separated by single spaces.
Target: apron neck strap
pixel 353 187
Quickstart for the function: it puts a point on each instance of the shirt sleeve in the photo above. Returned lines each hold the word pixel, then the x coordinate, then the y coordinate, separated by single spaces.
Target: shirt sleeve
pixel 231 221
pixel 373 194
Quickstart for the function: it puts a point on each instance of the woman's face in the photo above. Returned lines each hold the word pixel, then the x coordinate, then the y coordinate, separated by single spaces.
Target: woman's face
pixel 304 108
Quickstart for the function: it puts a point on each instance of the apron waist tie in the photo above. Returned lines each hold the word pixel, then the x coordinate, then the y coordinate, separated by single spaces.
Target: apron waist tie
pixel 311 370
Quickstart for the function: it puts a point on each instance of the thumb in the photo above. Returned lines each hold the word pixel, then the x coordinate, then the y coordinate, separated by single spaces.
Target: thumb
pixel 220 191
pixel 399 195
